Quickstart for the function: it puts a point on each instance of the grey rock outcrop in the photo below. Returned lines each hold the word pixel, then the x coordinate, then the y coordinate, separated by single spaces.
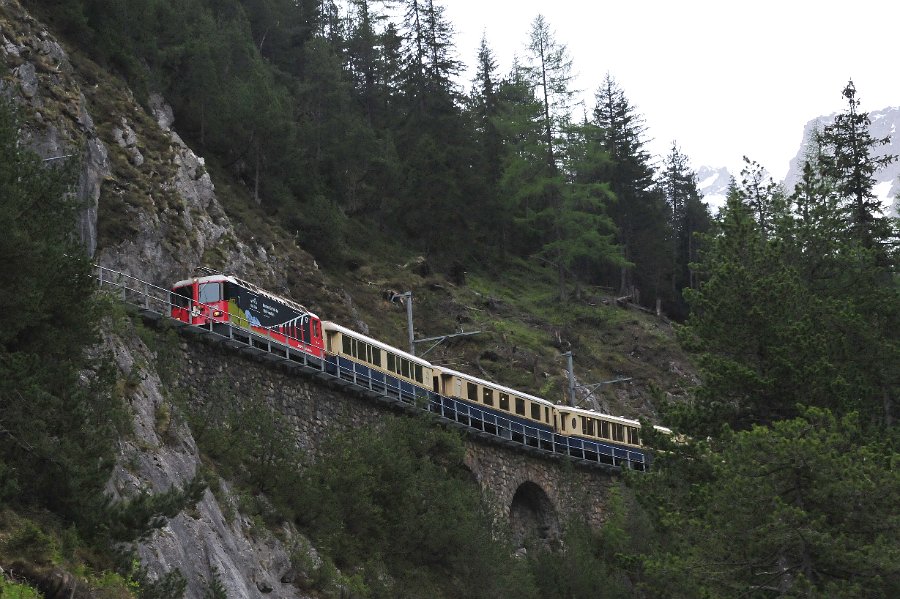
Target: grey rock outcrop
pixel 57 128
pixel 212 541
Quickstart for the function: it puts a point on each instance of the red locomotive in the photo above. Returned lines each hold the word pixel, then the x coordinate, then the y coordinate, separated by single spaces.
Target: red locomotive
pixel 222 298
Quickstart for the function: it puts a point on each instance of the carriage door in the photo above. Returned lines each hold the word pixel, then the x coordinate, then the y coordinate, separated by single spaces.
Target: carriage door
pixel 304 331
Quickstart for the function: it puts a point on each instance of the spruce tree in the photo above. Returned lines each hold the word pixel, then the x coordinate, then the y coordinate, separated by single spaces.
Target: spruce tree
pixel 689 218
pixel 849 160
pixel 639 210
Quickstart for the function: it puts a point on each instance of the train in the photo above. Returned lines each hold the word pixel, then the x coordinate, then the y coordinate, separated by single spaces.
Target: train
pixel 492 409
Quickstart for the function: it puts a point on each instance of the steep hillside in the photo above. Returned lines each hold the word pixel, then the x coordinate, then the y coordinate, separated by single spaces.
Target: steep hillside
pixel 155 209
pixel 158 211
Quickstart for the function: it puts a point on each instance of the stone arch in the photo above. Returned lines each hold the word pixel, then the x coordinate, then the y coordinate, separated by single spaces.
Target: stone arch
pixel 532 516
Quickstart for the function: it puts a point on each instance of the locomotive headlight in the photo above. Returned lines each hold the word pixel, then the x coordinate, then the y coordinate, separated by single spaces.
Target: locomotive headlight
pixel 217 313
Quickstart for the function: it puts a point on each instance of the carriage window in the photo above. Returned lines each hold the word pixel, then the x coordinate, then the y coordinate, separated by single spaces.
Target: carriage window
pixel 590 427
pixel 182 296
pixel 472 391
pixel 418 370
pixel 618 432
pixel 404 368
pixel 504 401
pixel 546 414
pixel 391 362
pixel 376 357
pixel 604 429
pixel 574 424
pixel 535 411
pixel 520 406
pixel 633 436
pixel 346 345
pixel 488 397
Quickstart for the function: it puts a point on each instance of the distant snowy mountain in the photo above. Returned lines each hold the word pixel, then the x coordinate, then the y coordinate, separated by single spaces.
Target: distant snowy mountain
pixel 713 183
pixel 885 123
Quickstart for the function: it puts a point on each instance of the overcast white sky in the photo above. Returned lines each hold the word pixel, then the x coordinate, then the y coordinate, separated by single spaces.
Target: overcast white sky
pixel 723 79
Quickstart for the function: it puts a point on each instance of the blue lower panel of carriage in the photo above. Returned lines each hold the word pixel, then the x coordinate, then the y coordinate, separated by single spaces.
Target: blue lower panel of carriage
pixel 493 422
pixel 600 452
pixel 350 370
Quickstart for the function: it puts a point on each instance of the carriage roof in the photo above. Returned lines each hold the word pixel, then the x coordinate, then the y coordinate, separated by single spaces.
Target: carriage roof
pixel 333 326
pixel 492 385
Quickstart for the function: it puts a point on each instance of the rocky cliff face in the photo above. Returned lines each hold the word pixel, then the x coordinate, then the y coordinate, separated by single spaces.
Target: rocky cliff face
pixel 150 210
pixel 150 206
pixel 213 541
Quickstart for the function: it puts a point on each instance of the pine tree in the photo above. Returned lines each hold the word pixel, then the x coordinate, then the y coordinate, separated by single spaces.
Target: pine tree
pixel 639 208
pixel 763 196
pixel 849 161
pixel 689 218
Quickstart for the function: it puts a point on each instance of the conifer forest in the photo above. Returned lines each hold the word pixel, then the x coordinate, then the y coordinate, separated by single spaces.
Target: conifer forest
pixel 346 125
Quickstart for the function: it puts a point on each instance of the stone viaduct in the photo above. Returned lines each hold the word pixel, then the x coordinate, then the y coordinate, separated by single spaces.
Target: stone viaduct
pixel 535 492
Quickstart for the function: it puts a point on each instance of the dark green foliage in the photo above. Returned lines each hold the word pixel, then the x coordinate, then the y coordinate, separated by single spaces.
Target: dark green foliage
pixel 170 586
pixel 591 563
pixel 849 162
pixel 399 495
pixel 803 508
pixel 58 415
pixel 215 590
pixel 639 211
pixel 689 218
pixel 250 444
pixel 791 311
pixel 135 518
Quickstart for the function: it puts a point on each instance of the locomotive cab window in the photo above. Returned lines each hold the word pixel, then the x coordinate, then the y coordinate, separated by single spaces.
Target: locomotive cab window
pixel 181 297
pixel 210 292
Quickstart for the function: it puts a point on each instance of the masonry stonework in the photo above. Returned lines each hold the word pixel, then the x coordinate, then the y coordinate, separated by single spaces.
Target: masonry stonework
pixel 533 492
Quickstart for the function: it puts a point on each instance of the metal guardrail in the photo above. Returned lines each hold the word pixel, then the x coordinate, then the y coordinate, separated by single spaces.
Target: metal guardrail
pixel 154 303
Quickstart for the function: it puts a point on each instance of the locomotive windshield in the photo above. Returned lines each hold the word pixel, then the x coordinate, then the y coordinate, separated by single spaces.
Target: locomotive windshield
pixel 181 297
pixel 210 292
